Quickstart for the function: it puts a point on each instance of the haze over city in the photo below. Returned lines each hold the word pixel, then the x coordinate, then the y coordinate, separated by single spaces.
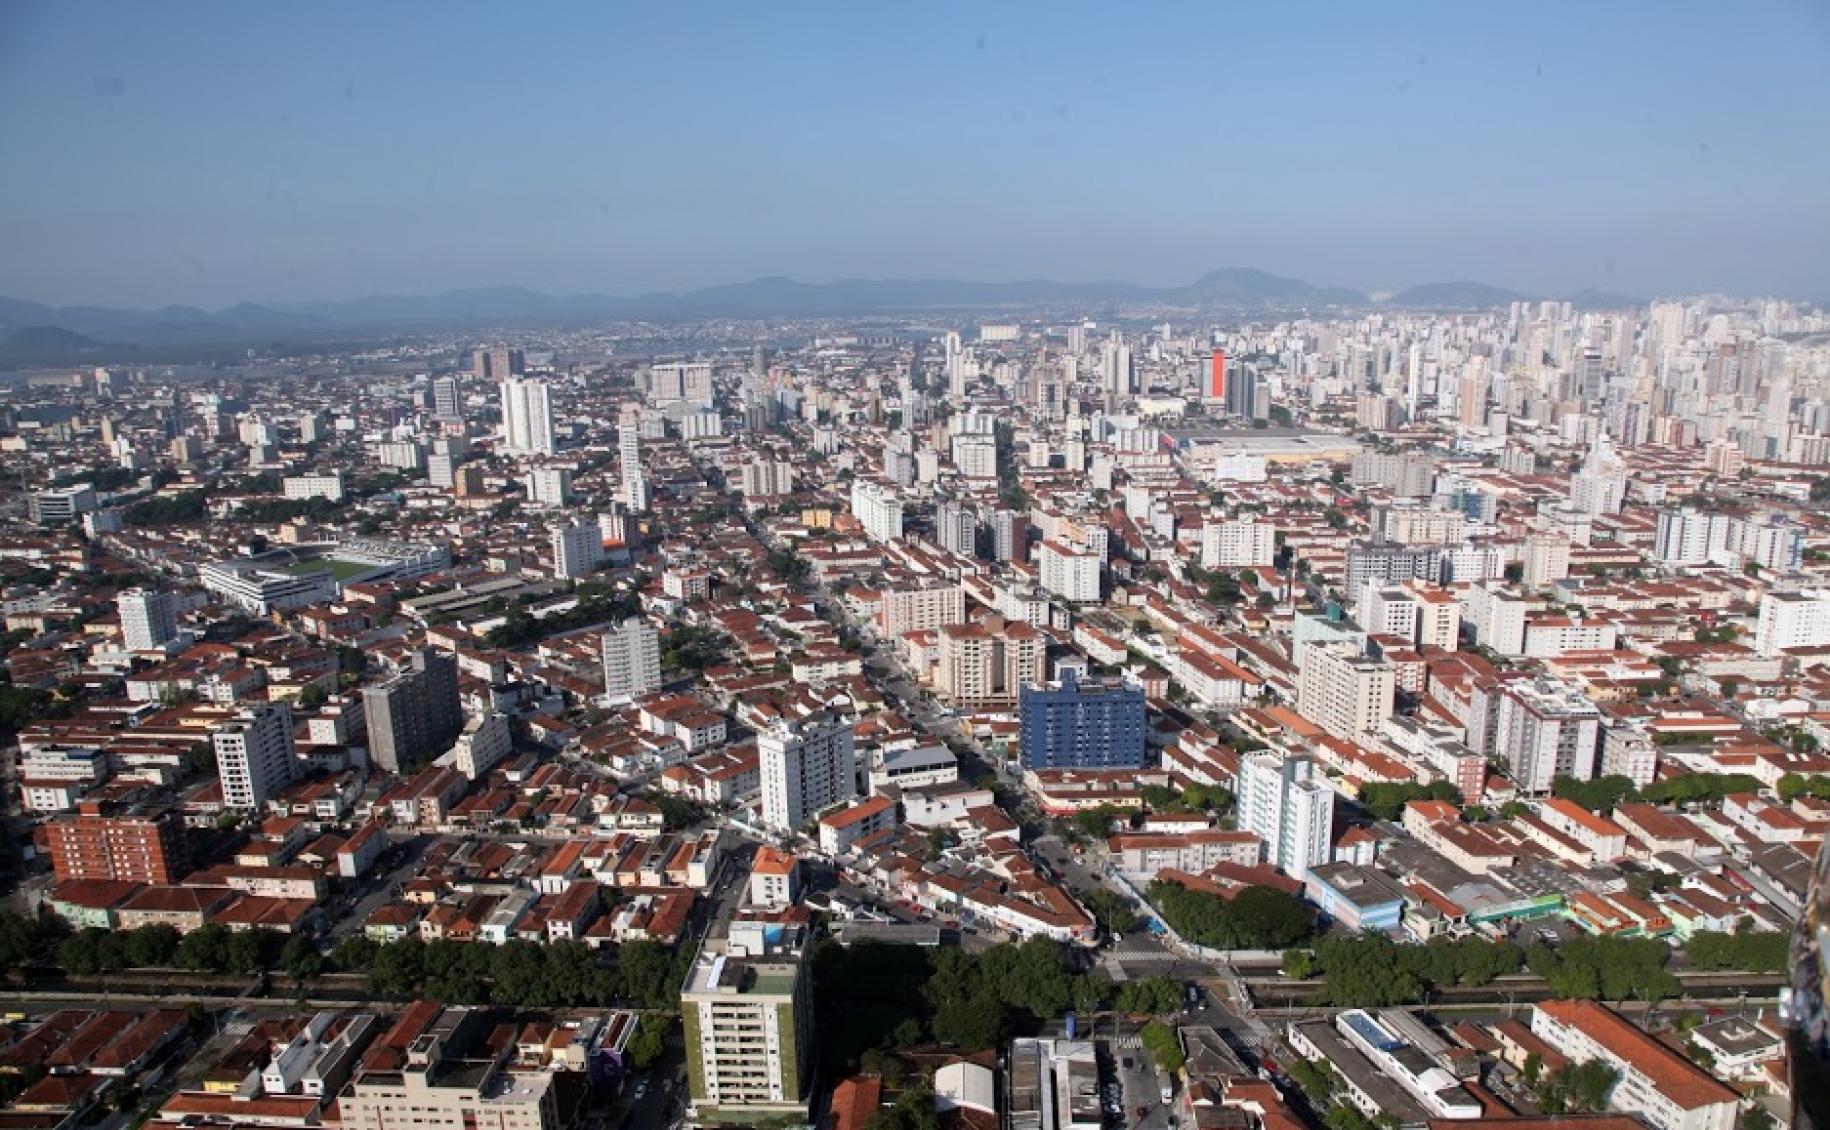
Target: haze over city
pixel 211 154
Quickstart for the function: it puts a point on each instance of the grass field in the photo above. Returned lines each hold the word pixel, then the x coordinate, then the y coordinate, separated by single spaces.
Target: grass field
pixel 341 570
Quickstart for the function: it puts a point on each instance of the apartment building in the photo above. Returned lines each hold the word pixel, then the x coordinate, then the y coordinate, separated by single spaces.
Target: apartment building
pixel 747 1010
pixel 987 664
pixel 1656 1083
pixel 1346 693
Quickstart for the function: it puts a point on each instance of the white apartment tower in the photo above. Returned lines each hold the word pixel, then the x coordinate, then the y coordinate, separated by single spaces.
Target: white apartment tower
pixel 636 493
pixel 1283 802
pixel 254 755
pixel 632 660
pixel 1792 619
pixel 878 509
pixel 806 767
pixel 527 417
pixel 578 548
pixel 149 619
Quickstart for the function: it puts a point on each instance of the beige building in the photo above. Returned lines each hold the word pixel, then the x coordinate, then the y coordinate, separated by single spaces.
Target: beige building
pixel 920 609
pixel 985 665
pixel 454 1078
pixel 1344 692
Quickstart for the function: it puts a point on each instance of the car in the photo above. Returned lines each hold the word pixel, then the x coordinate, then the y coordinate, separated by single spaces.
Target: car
pixel 1127 1063
pixel 1143 1112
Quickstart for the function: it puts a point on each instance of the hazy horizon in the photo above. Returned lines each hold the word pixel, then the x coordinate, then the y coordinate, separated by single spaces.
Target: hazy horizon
pixel 208 155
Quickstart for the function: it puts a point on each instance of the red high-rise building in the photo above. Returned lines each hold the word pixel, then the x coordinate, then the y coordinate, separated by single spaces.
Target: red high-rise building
pixel 1217 382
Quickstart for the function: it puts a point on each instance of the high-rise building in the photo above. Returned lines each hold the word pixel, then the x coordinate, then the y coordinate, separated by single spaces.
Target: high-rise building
pixel 130 839
pixel 878 509
pixel 1071 574
pixel 497 363
pixel 1010 535
pixel 1098 724
pixel 1238 544
pixel 1546 559
pixel 1285 803
pixel 1242 391
pixel 578 548
pixel 1345 692
pixel 688 382
pixel 747 1011
pixel 149 619
pixel 415 713
pixel 1373 563
pixel 919 607
pixel 986 665
pixel 1792 619
pixel 767 478
pixel 806 768
pixel 976 455
pixel 632 660
pixel 956 528
pixel 636 495
pixel 549 486
pixel 527 417
pixel 254 754
pixel 1540 729
pixel 447 399
pixel 1216 377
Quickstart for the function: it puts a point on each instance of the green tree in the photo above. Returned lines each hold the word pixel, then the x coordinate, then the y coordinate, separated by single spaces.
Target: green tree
pixel 1111 910
pixel 1164 1046
pixel 1149 994
pixel 649 1041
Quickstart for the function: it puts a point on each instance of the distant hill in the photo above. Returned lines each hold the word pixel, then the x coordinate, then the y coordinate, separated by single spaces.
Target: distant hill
pixel 1455 296
pixel 251 324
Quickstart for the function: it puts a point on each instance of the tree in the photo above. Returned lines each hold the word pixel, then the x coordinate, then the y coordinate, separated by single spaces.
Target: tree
pixel 1758 951
pixel 1255 918
pixel 649 1041
pixel 912 1110
pixel 301 959
pixel 152 946
pixel 1603 794
pixel 1149 994
pixel 1164 1046
pixel 1096 823
pixel 1111 911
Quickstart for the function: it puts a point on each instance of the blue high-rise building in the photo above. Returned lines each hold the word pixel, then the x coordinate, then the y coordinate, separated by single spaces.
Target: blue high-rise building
pixel 1076 725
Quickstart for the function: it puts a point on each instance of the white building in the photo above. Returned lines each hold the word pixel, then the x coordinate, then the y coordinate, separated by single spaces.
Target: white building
pixel 806 768
pixel 1284 802
pixel 578 548
pixel 1238 544
pixel 878 509
pixel 1655 1082
pixel 485 742
pixel 327 486
pixel 549 486
pixel 767 478
pixel 1071 574
pixel 527 417
pixel 149 619
pixel 1792 619
pixel 254 755
pixel 632 660
pixel 1545 730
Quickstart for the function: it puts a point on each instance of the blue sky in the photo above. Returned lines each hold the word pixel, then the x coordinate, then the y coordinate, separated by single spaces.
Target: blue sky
pixel 213 152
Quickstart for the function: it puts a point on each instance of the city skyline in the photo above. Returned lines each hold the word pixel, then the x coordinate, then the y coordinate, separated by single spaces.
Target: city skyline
pixel 214 156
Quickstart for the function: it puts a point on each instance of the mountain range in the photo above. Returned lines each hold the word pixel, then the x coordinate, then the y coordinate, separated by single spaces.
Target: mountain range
pixel 33 330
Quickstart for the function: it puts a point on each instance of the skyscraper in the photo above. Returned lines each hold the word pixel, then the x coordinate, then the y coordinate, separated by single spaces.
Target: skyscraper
pixel 632 660
pixel 1242 392
pixel 956 528
pixel 254 755
pixel 1284 803
pixel 527 417
pixel 149 619
pixel 1075 725
pixel 636 495
pixel 413 714
pixel 447 402
pixel 807 767
pixel 496 363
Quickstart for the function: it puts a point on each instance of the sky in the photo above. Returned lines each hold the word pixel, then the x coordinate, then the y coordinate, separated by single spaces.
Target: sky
pixel 213 152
